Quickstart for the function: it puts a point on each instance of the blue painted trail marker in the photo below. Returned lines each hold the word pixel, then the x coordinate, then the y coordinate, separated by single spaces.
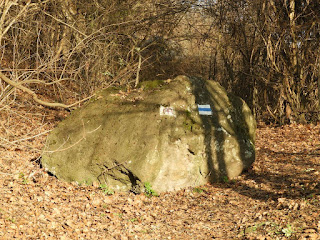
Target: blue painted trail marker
pixel 204 109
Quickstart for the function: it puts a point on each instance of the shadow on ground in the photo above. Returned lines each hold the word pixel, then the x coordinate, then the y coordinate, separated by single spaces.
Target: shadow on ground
pixel 280 175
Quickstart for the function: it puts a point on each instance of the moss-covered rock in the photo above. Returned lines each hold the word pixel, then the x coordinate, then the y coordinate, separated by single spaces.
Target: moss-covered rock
pixel 124 141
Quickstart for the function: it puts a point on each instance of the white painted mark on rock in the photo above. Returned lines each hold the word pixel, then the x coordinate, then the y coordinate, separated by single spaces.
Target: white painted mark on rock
pixel 167 111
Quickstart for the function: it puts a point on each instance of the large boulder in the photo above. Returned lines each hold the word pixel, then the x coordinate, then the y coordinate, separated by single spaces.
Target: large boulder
pixel 155 135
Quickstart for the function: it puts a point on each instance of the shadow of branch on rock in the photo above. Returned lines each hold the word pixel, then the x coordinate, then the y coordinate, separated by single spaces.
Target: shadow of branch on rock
pixel 228 131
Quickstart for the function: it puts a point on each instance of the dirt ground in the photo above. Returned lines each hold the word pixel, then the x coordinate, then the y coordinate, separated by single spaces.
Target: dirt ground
pixel 279 198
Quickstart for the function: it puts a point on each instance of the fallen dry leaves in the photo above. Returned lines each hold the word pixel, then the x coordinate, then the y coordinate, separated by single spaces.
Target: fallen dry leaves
pixel 279 198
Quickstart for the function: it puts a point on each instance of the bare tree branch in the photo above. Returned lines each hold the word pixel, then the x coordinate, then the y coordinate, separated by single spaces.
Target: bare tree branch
pixel 35 97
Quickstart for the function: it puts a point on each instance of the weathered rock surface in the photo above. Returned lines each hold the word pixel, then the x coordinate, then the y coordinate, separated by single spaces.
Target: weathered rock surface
pixel 123 141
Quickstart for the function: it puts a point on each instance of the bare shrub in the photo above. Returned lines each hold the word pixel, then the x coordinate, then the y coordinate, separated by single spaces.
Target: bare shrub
pixel 58 53
pixel 266 52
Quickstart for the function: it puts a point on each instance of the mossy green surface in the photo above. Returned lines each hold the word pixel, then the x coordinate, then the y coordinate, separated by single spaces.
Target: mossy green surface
pixel 152 84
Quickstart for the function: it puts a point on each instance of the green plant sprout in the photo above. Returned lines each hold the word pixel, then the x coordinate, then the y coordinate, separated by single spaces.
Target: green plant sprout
pixel 105 189
pixel 24 179
pixel 287 231
pixel 198 190
pixel 149 191
pixel 120 215
pixel 225 179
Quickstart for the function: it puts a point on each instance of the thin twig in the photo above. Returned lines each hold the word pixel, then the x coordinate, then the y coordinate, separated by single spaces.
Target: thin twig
pixel 59 149
pixel 28 138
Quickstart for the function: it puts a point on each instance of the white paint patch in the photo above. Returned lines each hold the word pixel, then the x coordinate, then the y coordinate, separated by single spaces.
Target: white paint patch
pixel 167 111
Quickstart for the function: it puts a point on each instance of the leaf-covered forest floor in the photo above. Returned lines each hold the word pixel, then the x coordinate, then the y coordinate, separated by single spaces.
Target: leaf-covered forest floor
pixel 279 198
